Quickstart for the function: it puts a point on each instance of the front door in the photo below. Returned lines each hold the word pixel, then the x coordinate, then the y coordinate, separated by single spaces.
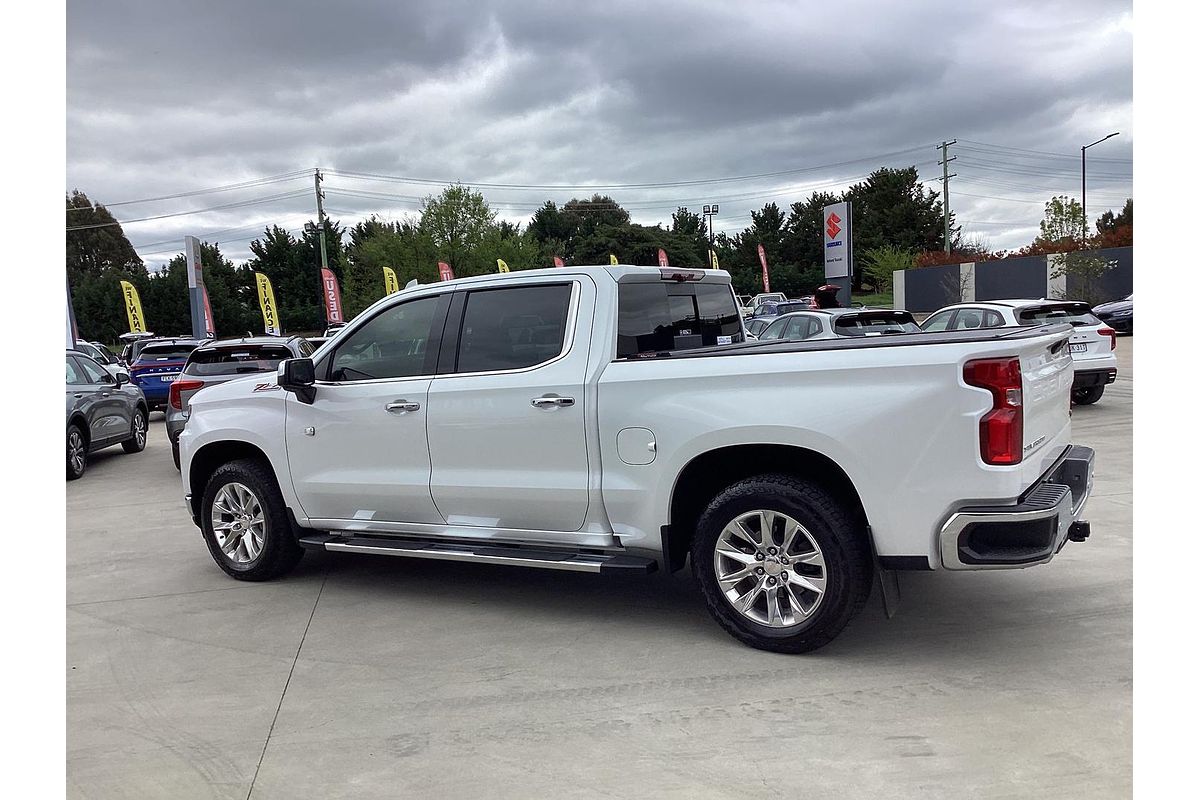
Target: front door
pixel 359 451
pixel 506 418
pixel 109 416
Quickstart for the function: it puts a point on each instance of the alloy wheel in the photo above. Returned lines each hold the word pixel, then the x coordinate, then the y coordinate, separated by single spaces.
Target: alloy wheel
pixel 238 523
pixel 75 451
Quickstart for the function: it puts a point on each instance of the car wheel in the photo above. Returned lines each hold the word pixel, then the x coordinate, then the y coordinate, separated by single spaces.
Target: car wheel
pixel 1087 395
pixel 783 566
pixel 245 523
pixel 136 442
pixel 76 452
pixel 175 453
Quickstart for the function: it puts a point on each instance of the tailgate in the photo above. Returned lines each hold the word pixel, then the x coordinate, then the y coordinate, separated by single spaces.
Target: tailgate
pixel 1046 375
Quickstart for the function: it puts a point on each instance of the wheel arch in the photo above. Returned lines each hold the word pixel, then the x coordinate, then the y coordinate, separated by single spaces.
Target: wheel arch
pixel 209 458
pixel 80 420
pixel 709 473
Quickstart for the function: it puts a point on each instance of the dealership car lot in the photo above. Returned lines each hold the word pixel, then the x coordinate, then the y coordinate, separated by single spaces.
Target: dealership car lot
pixel 376 677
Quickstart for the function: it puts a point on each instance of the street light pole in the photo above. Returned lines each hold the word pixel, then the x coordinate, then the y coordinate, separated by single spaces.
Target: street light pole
pixel 710 212
pixel 1083 180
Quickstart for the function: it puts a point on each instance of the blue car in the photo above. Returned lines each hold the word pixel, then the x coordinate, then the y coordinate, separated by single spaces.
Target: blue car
pixel 158 365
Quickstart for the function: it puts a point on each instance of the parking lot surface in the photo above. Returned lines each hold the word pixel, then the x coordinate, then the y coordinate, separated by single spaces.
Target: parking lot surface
pixel 380 677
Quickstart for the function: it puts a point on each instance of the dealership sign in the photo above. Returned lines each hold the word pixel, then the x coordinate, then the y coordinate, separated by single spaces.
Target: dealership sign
pixel 837 240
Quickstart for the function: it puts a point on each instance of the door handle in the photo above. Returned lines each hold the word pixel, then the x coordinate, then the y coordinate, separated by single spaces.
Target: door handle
pixel 551 401
pixel 402 406
pixel 106 394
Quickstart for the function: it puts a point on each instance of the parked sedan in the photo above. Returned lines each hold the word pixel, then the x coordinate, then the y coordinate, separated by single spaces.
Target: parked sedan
pixel 831 323
pixel 224 360
pixel 1118 314
pixel 1092 343
pixel 102 410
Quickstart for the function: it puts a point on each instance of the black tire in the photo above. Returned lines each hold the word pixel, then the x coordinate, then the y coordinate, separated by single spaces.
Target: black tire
pixel 136 442
pixel 280 552
pixel 840 535
pixel 175 454
pixel 1087 395
pixel 76 441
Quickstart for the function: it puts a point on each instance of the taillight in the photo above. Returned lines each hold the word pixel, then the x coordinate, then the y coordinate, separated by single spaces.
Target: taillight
pixel 181 386
pixel 1109 332
pixel 1001 430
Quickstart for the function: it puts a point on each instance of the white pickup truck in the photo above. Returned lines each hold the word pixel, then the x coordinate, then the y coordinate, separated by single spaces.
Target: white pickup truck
pixel 614 419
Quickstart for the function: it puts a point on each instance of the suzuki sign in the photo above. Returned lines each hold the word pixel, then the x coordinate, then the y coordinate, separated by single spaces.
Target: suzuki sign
pixel 838 259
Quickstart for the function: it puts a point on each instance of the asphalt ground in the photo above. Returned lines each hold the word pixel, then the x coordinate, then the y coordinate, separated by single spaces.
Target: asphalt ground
pixel 374 677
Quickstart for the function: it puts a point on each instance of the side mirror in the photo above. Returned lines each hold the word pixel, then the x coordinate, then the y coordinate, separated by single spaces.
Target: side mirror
pixel 122 379
pixel 297 375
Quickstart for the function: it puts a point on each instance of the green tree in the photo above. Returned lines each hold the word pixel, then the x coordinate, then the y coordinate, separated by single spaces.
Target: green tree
pixel 292 265
pixel 457 221
pixel 98 258
pixel 879 263
pixel 892 208
pixel 1063 225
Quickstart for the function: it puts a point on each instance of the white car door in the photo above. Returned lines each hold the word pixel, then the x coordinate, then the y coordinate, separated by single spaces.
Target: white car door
pixel 506 417
pixel 359 450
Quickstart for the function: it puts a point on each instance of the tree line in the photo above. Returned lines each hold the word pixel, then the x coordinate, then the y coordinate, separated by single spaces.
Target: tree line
pixel 893 214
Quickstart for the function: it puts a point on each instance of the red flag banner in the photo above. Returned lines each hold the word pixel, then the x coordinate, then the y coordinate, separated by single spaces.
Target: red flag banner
pixel 762 258
pixel 333 296
pixel 662 258
pixel 558 262
pixel 444 271
pixel 208 317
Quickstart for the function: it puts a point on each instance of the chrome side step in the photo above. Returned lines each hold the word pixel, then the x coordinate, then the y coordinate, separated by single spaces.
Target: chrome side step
pixel 482 554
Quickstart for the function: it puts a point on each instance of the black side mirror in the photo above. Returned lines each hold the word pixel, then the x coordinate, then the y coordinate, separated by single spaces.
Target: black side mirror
pixel 297 375
pixel 122 379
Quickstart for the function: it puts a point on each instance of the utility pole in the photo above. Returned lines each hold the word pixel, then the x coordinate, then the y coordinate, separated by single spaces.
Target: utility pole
pixel 320 215
pixel 946 176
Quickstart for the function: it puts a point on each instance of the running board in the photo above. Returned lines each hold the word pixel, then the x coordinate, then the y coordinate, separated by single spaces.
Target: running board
pixel 483 554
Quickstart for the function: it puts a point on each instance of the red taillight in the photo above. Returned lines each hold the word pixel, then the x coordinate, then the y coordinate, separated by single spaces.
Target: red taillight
pixel 1001 430
pixel 181 386
pixel 1109 332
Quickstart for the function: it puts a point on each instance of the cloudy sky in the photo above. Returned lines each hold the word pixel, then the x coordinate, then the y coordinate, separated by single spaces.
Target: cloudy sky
pixel 739 103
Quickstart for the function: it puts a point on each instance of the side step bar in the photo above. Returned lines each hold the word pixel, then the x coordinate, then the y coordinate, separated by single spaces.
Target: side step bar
pixel 483 554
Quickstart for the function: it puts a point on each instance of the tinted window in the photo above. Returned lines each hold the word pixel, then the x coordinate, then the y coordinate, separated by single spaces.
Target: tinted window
pixel 969 318
pixel 757 326
pixel 513 328
pixel 75 376
pixel 166 352
pixel 938 322
pixel 393 344
pixel 775 330
pixel 236 360
pixel 880 322
pixel 660 317
pixel 94 372
pixel 1074 313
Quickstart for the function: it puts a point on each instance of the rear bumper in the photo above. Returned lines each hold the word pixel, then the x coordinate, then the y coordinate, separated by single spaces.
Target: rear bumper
pixel 1028 533
pixel 1087 378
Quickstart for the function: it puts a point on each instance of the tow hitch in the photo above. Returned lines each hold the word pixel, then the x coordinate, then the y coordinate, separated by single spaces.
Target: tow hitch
pixel 1079 531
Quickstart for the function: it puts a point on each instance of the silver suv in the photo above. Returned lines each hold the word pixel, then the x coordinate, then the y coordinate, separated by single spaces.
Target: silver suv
pixel 225 360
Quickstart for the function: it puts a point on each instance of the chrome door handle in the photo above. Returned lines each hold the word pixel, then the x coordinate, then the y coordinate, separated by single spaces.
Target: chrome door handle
pixel 106 394
pixel 402 406
pixel 552 402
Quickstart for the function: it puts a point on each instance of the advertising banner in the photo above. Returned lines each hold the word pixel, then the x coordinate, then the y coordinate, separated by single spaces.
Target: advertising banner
pixel 266 300
pixel 662 258
pixel 133 308
pixel 558 262
pixel 333 296
pixel 612 259
pixel 501 266
pixel 390 284
pixel 202 324
pixel 444 271
pixel 713 257
pixel 838 241
pixel 762 259
pixel 72 333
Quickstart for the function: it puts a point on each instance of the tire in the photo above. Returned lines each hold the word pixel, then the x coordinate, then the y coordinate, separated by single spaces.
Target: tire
pixel 76 452
pixel 175 454
pixel 1087 395
pixel 829 542
pixel 262 551
pixel 139 430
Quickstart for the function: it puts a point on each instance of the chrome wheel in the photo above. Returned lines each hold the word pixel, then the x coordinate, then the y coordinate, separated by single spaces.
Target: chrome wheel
pixel 770 568
pixel 75 451
pixel 238 523
pixel 139 429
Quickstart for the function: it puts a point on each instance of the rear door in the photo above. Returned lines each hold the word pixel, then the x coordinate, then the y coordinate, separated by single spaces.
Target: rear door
pixel 507 409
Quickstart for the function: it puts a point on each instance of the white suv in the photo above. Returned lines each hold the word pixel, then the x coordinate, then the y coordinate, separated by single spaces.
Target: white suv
pixel 1092 342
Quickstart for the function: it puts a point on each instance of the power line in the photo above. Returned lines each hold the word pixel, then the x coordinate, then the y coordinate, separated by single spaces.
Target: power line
pixel 254 182
pixel 240 204
pixel 1070 156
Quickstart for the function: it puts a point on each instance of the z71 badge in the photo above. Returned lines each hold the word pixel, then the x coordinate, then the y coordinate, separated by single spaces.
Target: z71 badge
pixel 266 387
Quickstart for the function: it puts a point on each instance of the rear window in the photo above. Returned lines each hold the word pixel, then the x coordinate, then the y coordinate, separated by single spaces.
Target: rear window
pixel 242 360
pixel 875 323
pixel 166 352
pixel 665 316
pixel 1074 313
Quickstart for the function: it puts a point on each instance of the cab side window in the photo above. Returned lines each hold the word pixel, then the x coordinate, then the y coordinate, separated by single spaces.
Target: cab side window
pixel 513 328
pixel 395 343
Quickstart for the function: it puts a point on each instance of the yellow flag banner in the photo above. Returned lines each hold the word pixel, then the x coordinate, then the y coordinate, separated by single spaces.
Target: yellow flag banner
pixel 501 266
pixel 390 284
pixel 715 264
pixel 133 308
pixel 612 259
pixel 266 299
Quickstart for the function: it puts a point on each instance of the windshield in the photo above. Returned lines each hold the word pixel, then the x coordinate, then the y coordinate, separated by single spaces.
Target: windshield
pixel 1075 313
pixel 240 360
pixel 875 324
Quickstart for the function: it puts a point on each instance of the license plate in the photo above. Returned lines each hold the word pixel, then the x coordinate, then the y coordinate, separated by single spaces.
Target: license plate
pixel 172 378
pixel 1081 347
